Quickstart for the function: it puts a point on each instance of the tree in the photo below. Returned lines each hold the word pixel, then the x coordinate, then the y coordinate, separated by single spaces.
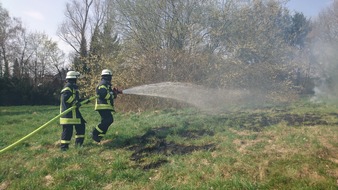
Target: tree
pixel 298 30
pixel 85 19
pixel 16 69
pixel 28 63
pixel 75 27
pixel 162 37
pixel 45 59
pixel 89 29
pixel 218 43
pixel 74 30
pixel 105 42
pixel 10 28
pixel 225 44
pixel 23 55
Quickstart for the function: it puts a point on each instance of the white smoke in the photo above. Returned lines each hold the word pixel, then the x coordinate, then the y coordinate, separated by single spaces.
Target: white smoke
pixel 326 85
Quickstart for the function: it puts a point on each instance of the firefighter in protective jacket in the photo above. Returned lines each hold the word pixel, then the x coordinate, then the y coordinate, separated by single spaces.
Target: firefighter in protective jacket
pixel 69 98
pixel 104 105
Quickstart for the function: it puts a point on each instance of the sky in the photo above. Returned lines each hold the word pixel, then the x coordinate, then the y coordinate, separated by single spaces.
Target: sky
pixel 47 15
pixel 39 16
pixel 309 8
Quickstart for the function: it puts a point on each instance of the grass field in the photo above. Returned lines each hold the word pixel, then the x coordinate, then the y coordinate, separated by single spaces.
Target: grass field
pixel 288 147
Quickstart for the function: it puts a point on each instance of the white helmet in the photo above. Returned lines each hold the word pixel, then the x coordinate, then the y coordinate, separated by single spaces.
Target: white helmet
pixel 72 75
pixel 106 72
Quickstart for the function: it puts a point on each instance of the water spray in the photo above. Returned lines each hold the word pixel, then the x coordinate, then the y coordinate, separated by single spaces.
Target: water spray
pixel 206 99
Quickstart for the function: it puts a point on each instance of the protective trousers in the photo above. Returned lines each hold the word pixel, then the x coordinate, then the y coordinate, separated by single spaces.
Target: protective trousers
pixel 106 120
pixel 67 134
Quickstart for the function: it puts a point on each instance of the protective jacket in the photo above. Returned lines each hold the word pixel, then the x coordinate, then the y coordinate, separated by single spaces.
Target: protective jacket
pixel 105 101
pixel 69 97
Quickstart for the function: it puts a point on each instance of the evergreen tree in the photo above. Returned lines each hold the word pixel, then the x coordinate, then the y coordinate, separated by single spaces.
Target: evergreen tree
pixel 298 30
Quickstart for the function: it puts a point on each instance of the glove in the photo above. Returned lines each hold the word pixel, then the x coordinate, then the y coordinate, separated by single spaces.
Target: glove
pixel 113 93
pixel 116 91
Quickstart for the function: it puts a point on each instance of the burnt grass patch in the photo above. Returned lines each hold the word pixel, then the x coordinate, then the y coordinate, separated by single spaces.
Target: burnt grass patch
pixel 153 142
pixel 258 121
pixel 162 147
pixel 152 149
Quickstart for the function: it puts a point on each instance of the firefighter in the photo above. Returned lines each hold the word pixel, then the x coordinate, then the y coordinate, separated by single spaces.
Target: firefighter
pixel 104 105
pixel 69 98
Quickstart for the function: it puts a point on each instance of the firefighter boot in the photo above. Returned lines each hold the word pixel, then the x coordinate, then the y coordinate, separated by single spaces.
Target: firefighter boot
pixel 79 141
pixel 95 136
pixel 64 147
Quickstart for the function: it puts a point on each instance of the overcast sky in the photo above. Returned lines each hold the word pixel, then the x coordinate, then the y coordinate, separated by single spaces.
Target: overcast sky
pixel 46 15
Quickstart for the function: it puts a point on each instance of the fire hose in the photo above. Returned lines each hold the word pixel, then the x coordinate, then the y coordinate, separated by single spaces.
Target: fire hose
pixel 46 124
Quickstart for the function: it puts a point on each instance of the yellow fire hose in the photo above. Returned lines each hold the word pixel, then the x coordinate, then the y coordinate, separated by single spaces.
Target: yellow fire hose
pixel 45 125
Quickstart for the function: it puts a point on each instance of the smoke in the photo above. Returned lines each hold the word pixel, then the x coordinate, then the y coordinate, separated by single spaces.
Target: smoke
pixel 326 84
pixel 206 99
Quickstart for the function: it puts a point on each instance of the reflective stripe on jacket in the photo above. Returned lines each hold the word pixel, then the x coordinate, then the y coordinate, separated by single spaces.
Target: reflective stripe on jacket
pixel 105 101
pixel 69 96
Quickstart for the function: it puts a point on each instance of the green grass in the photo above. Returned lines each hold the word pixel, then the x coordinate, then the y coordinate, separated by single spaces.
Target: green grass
pixel 290 147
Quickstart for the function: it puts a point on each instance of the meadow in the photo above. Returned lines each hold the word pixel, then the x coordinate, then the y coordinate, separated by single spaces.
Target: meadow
pixel 278 147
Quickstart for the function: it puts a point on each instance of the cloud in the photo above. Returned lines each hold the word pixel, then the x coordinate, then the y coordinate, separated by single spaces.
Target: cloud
pixel 35 15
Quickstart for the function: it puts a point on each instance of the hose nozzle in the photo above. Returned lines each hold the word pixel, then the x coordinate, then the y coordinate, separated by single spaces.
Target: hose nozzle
pixel 116 91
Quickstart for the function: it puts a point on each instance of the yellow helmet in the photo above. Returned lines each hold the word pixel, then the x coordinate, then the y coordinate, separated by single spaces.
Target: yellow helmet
pixel 72 75
pixel 106 72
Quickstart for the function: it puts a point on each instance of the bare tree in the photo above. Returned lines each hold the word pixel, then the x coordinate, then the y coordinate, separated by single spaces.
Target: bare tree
pixel 10 28
pixel 84 19
pixel 45 57
pixel 163 37
pixel 23 55
pixel 74 30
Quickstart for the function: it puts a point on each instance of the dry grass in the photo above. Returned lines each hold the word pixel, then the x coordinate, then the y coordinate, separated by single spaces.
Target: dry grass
pixel 180 149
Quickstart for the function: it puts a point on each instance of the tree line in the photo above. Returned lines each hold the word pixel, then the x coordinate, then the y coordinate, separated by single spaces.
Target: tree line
pixel 258 45
pixel 28 63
